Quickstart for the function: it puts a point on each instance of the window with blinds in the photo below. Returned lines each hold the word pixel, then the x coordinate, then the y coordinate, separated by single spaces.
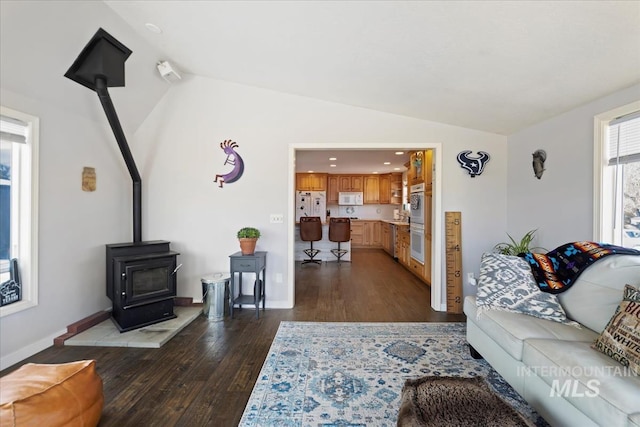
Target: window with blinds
pixel 624 139
pixel 623 158
pixel 18 210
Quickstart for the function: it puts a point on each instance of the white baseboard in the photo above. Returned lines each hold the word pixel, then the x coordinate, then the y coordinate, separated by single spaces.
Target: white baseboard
pixel 30 350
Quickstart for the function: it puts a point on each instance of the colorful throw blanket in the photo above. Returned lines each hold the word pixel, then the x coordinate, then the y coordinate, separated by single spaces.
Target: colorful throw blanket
pixel 558 269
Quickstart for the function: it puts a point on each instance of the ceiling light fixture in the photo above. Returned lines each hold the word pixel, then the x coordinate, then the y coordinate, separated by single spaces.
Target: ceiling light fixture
pixel 153 28
pixel 332 159
pixel 333 166
pixel 386 163
pixel 310 171
pixel 399 153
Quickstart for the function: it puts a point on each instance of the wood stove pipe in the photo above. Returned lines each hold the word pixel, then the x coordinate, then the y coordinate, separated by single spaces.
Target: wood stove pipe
pixel 101 65
pixel 112 117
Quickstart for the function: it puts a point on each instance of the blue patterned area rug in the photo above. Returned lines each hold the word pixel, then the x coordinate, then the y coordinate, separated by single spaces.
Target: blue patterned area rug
pixel 351 374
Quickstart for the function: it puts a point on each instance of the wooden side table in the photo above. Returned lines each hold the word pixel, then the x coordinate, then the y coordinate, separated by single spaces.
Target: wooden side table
pixel 255 263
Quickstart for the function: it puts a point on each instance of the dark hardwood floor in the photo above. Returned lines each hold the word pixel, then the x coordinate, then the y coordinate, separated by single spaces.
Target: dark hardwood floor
pixel 204 375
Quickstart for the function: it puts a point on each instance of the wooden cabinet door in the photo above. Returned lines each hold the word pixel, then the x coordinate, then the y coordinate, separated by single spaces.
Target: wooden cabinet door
pixel 376 233
pixel 428 171
pixel 311 181
pixel 356 183
pixel 386 237
pixel 357 233
pixel 384 185
pixel 332 190
pixel 371 189
pixel 344 183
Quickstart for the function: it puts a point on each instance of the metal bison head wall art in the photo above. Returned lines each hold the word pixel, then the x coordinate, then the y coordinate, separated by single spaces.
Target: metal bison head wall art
pixel 474 165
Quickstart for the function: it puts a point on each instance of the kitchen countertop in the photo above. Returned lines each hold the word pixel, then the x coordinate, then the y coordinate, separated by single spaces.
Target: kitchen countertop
pixel 390 221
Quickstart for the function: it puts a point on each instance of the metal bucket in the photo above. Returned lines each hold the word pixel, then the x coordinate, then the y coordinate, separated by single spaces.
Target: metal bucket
pixel 213 295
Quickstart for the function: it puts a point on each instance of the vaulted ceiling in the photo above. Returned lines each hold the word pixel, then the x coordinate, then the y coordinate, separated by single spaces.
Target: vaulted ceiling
pixel 495 66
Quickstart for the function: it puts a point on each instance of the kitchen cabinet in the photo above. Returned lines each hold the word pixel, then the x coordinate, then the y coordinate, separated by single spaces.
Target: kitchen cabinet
pixel 372 234
pixel 366 234
pixel 404 245
pixel 396 189
pixel 350 183
pixel 311 181
pixel 371 189
pixel 332 190
pixel 357 228
pixel 384 195
pixel 387 234
pixel 421 168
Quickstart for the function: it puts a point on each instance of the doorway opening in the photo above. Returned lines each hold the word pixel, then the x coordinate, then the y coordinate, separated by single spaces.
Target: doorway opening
pixel 324 151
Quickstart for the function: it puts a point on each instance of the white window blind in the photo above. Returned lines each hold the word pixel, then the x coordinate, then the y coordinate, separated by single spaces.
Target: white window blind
pixel 13 130
pixel 624 139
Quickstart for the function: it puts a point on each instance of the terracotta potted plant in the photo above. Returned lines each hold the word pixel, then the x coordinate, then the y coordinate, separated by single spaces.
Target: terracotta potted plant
pixel 248 236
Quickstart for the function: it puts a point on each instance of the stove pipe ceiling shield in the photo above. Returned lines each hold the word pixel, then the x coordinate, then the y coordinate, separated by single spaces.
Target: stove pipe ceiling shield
pixel 101 65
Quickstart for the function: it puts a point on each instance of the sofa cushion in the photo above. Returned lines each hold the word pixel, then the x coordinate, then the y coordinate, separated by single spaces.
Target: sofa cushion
pixel 506 283
pixel 620 339
pixel 594 297
pixel 595 384
pixel 67 394
pixel 509 330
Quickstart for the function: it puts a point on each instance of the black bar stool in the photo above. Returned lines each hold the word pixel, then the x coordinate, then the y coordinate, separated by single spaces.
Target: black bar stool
pixel 311 231
pixel 339 231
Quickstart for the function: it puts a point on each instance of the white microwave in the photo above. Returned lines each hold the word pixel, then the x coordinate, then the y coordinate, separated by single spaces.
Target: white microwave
pixel 351 198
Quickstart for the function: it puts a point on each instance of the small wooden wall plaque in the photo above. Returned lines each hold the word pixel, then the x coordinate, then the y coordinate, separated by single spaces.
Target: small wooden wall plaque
pixel 88 179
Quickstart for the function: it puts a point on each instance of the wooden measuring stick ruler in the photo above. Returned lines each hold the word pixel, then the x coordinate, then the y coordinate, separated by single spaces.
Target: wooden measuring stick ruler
pixel 453 231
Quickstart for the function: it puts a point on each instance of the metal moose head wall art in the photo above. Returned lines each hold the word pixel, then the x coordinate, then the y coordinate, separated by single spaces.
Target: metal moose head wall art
pixel 474 165
pixel 539 157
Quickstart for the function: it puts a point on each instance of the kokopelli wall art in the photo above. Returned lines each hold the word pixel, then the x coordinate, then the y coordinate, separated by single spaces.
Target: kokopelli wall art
pixel 233 159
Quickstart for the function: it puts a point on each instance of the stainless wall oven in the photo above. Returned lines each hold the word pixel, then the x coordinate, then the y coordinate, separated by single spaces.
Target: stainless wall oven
pixel 417 242
pixel 416 229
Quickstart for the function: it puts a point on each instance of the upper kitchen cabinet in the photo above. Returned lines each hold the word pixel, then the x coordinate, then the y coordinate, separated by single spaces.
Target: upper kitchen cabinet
pixel 332 189
pixel 421 168
pixel 385 188
pixel 311 181
pixel 350 183
pixel 371 189
pixel 390 185
pixel 396 189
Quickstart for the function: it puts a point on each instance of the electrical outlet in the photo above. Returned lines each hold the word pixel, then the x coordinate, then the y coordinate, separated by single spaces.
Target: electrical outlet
pixel 276 218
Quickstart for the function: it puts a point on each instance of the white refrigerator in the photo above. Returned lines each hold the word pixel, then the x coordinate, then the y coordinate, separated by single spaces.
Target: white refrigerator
pixel 311 203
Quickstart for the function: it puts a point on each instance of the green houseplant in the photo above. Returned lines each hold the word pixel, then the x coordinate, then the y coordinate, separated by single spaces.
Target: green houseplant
pixel 248 236
pixel 517 247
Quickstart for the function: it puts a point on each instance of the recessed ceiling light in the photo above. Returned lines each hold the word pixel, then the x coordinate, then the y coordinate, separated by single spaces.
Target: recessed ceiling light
pixel 310 171
pixel 374 173
pixel 153 28
pixel 386 163
pixel 332 159
pixel 399 153
pixel 333 166
pixel 396 169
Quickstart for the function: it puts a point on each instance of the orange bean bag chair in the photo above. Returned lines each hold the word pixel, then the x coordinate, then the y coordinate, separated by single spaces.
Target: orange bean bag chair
pixel 66 394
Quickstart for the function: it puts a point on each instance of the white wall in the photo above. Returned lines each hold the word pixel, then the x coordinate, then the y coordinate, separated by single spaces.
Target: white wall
pixel 560 204
pixel 178 148
pixel 39 41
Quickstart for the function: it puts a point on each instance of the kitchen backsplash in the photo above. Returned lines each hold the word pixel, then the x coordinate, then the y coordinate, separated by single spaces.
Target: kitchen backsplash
pixel 364 211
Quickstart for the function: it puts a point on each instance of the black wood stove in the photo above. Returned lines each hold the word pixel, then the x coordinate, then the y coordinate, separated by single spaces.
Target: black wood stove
pixel 141 276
